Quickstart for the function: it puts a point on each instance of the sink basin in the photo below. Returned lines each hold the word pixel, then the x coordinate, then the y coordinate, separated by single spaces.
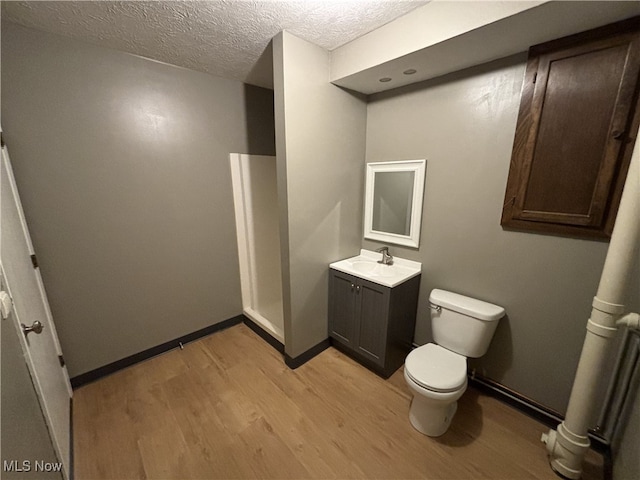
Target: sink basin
pixel 375 269
pixel 366 266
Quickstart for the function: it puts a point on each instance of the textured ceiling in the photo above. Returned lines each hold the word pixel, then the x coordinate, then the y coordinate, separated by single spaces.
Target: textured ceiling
pixel 221 37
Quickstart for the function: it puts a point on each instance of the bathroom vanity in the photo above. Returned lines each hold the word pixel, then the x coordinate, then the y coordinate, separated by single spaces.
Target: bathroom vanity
pixel 372 309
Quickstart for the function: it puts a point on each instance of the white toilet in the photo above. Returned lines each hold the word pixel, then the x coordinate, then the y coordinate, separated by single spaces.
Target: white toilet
pixel 437 372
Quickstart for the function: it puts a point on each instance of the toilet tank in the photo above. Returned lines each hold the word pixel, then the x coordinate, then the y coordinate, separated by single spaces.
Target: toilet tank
pixel 463 324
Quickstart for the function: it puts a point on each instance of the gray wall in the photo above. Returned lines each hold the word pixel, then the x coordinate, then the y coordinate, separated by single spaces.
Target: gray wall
pixel 122 165
pixel 320 137
pixel 464 125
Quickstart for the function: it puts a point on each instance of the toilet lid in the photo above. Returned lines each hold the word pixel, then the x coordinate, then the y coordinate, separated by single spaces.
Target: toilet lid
pixel 436 368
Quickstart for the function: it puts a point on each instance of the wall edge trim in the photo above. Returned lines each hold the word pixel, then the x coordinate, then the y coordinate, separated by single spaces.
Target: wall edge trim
pixel 304 357
pixel 264 335
pixel 100 372
pixel 533 409
pixel 72 468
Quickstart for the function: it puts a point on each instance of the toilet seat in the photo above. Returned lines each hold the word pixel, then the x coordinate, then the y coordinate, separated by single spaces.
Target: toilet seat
pixel 436 368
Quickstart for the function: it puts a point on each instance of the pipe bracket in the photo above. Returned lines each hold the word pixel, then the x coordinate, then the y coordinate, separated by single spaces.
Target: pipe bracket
pixel 606 307
pixel 601 330
pixel 566 450
pixel 572 442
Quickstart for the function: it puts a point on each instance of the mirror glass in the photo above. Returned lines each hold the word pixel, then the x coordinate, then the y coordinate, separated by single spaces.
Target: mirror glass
pixel 392 197
pixel 393 204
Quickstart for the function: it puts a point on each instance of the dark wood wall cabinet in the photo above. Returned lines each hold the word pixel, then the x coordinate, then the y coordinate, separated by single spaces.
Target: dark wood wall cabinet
pixel 372 323
pixel 575 133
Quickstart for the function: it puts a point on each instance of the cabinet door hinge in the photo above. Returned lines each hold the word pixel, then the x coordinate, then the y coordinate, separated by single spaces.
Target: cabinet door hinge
pixel 34 261
pixel 61 360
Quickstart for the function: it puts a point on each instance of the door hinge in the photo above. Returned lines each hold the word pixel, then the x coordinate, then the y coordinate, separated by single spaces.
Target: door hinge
pixel 61 360
pixel 34 260
pixel 1 139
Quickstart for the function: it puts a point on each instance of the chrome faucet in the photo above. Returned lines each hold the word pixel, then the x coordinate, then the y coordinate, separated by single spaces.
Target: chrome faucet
pixel 386 258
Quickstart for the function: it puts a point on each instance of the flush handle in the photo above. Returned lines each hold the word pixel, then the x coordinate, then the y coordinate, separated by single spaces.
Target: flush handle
pixel 437 308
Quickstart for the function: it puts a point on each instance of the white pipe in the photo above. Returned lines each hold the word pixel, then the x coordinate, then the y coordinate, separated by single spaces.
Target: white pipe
pixel 569 444
pixel 604 420
pixel 631 320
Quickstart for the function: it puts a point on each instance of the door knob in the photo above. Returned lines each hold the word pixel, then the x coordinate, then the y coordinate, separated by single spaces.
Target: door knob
pixel 36 327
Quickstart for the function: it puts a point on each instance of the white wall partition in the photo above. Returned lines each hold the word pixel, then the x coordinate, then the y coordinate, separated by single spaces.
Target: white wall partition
pixel 256 207
pixel 320 145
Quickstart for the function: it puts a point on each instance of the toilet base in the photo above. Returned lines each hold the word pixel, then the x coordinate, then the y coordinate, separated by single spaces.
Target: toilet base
pixel 431 419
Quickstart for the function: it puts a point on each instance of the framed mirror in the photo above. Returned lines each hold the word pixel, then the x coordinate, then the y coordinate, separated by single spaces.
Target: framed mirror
pixel 393 202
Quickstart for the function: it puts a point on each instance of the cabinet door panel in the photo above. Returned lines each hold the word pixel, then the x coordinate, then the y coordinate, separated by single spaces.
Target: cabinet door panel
pixel 372 328
pixel 342 309
pixel 571 168
pixel 574 135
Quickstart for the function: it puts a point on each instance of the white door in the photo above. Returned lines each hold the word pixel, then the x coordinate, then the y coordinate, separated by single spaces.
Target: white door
pixel 24 284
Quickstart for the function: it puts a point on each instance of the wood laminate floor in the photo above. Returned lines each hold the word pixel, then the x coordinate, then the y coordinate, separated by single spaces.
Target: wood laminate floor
pixel 227 407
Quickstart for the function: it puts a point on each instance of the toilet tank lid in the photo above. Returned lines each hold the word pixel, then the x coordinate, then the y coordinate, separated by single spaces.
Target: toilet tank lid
pixel 466 305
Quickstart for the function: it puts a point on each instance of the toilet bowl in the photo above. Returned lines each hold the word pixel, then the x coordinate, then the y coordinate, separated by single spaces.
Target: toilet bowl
pixel 436 373
pixel 437 378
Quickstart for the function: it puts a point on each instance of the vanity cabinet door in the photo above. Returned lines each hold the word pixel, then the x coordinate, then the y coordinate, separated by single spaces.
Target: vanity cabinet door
pixel 342 307
pixel 372 323
pixel 373 318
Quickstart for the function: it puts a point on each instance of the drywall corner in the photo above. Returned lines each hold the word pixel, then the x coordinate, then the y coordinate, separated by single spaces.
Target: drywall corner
pixel 320 147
